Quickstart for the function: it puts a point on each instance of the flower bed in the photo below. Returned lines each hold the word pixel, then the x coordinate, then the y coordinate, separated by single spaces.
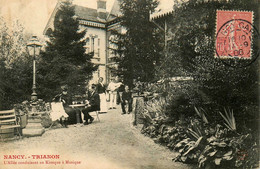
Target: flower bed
pixel 201 140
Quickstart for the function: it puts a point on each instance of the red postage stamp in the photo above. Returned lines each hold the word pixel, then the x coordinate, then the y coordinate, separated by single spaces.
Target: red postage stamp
pixel 233 34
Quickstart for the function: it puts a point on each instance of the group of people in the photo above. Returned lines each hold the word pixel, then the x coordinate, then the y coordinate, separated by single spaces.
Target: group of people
pixel 96 101
pixel 70 117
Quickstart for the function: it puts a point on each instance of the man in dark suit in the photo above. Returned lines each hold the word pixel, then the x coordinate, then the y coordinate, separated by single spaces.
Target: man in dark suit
pixel 94 105
pixel 126 98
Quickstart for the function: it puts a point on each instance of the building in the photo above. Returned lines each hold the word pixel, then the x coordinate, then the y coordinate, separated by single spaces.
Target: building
pixel 162 17
pixel 98 24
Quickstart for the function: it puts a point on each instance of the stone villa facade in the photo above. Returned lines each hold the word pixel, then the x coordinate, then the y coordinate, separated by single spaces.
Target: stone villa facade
pixel 98 24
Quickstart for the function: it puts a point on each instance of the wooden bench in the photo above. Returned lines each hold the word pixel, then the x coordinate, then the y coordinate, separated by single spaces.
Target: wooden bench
pixel 8 124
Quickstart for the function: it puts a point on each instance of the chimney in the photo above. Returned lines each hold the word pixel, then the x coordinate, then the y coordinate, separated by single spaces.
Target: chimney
pixel 101 9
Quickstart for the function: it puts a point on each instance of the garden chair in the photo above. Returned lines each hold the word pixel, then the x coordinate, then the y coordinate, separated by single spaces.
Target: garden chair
pixel 8 124
pixel 96 114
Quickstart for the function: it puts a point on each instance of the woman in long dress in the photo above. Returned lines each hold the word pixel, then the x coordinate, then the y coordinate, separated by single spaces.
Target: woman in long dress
pixel 101 89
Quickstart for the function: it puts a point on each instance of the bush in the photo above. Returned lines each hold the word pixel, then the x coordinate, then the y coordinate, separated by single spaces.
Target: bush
pixel 192 47
pixel 199 140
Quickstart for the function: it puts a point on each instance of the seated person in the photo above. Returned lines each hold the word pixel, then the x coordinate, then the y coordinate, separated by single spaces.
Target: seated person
pixel 58 113
pixel 126 98
pixel 66 100
pixel 94 104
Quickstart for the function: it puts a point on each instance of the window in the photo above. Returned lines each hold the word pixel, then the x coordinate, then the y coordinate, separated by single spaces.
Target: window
pixel 87 41
pixel 98 42
pixel 98 52
pixel 87 50
pixel 98 73
pixel 93 44
pixel 112 46
pixel 87 47
pixel 93 37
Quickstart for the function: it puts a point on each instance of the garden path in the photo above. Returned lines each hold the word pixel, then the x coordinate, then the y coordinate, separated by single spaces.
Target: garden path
pixel 112 143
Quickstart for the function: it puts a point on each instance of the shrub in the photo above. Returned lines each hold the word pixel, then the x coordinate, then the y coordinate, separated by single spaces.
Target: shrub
pixel 199 141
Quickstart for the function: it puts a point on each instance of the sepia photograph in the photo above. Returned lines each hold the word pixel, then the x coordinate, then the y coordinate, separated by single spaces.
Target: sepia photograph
pixel 129 84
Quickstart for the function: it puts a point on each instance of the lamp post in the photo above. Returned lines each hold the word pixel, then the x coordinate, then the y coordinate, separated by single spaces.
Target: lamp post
pixel 34 48
pixel 34 127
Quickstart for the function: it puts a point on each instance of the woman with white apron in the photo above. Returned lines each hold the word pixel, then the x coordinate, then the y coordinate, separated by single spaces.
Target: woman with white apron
pixel 101 89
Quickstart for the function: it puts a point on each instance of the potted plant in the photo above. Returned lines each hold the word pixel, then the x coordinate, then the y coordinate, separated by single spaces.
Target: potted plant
pixel 22 112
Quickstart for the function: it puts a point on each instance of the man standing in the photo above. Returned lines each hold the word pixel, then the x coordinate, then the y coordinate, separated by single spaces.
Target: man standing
pixel 113 87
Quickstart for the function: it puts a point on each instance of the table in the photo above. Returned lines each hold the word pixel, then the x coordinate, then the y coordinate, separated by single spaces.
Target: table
pixel 80 107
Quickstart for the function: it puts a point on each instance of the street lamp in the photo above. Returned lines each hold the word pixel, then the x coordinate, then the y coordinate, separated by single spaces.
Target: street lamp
pixel 34 126
pixel 34 48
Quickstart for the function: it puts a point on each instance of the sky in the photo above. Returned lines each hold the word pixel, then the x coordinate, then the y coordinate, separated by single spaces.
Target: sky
pixel 34 14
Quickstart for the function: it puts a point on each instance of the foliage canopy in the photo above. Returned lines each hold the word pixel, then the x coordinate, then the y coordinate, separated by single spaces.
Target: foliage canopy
pixel 15 65
pixel 64 60
pixel 138 47
pixel 191 53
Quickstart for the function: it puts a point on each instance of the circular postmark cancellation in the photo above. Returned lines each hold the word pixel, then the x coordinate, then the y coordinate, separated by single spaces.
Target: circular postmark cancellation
pixel 234 42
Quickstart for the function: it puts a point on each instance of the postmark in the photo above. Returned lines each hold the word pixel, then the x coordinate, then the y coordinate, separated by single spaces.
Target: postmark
pixel 234 34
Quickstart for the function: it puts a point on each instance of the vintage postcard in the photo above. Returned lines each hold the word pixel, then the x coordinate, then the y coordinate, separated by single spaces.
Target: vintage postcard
pixel 129 84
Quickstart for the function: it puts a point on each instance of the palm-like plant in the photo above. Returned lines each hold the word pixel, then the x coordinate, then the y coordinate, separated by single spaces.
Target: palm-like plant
pixel 229 119
pixel 201 114
pixel 195 130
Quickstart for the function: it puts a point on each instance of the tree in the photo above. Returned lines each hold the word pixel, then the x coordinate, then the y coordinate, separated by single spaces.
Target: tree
pixel 193 48
pixel 140 42
pixel 64 59
pixel 15 66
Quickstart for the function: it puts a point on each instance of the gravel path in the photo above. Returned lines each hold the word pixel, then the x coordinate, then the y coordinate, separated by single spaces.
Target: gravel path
pixel 110 144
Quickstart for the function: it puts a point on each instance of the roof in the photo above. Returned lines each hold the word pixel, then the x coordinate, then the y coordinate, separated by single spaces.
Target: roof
pixel 115 11
pixel 90 14
pixel 86 13
pixel 161 14
pixel 164 8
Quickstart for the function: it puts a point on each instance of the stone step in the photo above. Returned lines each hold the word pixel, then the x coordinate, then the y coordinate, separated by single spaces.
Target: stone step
pixel 29 132
pixel 34 125
pixel 34 120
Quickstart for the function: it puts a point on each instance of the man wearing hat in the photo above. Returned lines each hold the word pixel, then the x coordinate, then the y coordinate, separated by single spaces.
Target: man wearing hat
pixel 94 104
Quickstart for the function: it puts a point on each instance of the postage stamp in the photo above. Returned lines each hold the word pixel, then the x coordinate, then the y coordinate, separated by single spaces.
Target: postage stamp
pixel 234 34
